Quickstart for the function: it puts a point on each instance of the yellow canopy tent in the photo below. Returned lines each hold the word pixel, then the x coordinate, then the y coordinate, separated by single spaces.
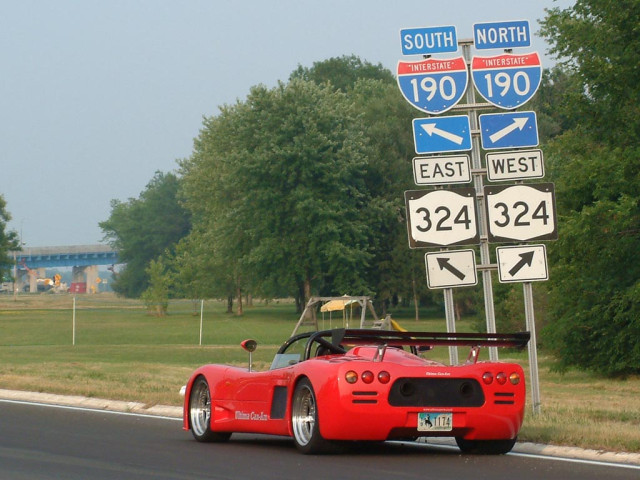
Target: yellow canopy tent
pixel 338 305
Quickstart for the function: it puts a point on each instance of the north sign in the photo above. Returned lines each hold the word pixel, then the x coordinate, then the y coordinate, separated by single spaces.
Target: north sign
pixel 521 212
pixel 509 34
pixel 522 263
pixel 442 134
pixel 514 165
pixel 442 170
pixel 508 130
pixel 507 81
pixel 433 86
pixel 429 40
pixel 441 217
pixel 453 268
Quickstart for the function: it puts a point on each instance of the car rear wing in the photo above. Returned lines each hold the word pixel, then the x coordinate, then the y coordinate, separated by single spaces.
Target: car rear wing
pixel 394 338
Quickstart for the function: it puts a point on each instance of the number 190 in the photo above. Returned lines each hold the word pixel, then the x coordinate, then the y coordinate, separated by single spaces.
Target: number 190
pixel 521 84
pixel 430 86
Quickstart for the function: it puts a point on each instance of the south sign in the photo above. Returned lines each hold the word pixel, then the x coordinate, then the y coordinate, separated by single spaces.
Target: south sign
pixel 507 81
pixel 433 86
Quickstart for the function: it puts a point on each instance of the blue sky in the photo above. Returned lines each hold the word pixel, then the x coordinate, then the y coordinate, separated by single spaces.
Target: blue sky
pixel 95 96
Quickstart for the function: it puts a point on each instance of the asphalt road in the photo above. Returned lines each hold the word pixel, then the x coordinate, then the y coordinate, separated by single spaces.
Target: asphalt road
pixel 40 442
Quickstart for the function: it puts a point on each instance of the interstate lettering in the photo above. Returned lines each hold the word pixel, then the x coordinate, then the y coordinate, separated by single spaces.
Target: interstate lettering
pixel 430 66
pixel 504 61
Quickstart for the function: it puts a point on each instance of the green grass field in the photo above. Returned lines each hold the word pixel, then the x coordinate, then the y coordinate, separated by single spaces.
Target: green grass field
pixel 122 353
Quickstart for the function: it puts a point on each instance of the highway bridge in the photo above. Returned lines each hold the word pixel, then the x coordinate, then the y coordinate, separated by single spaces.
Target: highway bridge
pixel 30 264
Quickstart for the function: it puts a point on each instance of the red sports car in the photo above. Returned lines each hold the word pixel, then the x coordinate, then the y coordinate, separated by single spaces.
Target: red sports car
pixel 338 385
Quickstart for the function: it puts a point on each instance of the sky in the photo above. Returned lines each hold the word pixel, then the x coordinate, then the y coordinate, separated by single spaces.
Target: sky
pixel 96 96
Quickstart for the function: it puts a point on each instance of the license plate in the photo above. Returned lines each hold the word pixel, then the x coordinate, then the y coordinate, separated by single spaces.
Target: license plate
pixel 435 422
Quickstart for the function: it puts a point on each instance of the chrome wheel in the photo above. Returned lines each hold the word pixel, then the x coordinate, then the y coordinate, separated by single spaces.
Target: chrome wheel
pixel 200 408
pixel 304 420
pixel 303 414
pixel 200 413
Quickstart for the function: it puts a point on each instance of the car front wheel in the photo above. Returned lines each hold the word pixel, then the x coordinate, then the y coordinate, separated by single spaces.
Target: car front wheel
pixel 200 411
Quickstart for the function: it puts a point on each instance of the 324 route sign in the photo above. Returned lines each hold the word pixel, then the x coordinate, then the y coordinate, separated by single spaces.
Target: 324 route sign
pixel 507 81
pixel 433 86
pixel 441 217
pixel 521 212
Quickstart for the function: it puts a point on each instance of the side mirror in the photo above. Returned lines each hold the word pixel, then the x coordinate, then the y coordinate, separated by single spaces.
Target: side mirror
pixel 250 346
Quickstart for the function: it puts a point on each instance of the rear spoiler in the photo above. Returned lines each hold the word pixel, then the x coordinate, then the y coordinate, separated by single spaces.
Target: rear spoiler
pixel 394 338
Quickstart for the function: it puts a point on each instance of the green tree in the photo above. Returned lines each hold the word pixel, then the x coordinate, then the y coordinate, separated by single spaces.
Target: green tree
pixel 595 282
pixel 280 179
pixel 200 272
pixel 8 240
pixel 394 269
pixel 342 73
pixel 143 228
pixel 156 296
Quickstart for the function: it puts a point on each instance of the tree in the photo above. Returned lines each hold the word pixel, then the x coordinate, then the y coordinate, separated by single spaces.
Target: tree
pixel 156 297
pixel 394 269
pixel 280 179
pixel 199 272
pixel 8 240
pixel 142 229
pixel 342 73
pixel 595 283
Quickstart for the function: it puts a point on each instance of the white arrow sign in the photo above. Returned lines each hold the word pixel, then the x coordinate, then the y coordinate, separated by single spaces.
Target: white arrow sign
pixel 432 130
pixel 522 263
pixel 451 268
pixel 518 123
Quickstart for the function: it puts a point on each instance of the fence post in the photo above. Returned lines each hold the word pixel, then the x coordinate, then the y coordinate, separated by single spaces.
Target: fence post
pixel 73 323
pixel 201 314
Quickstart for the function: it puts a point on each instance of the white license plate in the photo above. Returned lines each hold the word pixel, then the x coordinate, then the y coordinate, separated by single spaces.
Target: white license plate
pixel 435 422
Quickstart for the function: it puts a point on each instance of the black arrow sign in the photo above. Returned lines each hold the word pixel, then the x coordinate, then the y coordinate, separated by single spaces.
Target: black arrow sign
pixel 443 263
pixel 525 259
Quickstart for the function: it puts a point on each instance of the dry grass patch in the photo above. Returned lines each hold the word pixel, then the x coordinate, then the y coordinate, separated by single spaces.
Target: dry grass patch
pixel 583 410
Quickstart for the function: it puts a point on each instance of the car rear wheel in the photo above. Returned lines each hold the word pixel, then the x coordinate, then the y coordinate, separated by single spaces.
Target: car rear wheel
pixel 200 413
pixel 304 420
pixel 485 447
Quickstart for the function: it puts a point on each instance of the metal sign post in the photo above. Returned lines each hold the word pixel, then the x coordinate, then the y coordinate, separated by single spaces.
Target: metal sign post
pixel 485 259
pixel 450 314
pixel 533 347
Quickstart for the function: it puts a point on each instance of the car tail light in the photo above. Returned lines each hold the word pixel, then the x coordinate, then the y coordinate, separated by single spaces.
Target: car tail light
pixel 514 378
pixel 384 377
pixel 351 376
pixel 487 378
pixel 501 378
pixel 367 376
